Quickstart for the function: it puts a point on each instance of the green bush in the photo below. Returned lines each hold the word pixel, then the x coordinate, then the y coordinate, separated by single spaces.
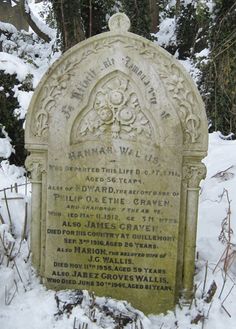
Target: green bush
pixel 8 118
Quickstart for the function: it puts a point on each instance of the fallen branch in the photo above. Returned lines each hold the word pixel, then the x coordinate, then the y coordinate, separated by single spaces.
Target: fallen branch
pixel 211 292
pixel 221 173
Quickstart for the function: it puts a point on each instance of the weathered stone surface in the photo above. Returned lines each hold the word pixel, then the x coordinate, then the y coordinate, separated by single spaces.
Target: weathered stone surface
pixel 116 132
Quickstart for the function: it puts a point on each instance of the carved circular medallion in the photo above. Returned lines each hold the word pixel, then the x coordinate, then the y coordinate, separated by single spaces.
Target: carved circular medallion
pixel 106 115
pixel 119 23
pixel 116 97
pixel 126 115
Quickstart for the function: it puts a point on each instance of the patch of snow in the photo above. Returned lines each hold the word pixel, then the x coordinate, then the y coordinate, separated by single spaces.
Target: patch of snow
pixel 10 174
pixel 190 67
pixel 14 65
pixel 7 27
pixel 204 53
pixel 6 148
pixel 13 3
pixel 187 2
pixel 166 34
pixel 24 98
pixel 210 4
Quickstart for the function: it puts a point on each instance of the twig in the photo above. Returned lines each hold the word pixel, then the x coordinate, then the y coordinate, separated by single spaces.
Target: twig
pixel 8 210
pixel 14 198
pixel 211 292
pixel 1 219
pixel 193 297
pixel 6 248
pixel 24 237
pixel 229 231
pixel 28 256
pixel 19 274
pixel 217 264
pixel 205 278
pixel 10 258
pixel 203 322
pixel 225 237
pixel 228 293
pixel 223 286
pixel 74 323
pixel 8 188
pixel 16 285
pixel 8 302
pixel 208 312
pixel 26 184
pixel 219 173
pixel 226 310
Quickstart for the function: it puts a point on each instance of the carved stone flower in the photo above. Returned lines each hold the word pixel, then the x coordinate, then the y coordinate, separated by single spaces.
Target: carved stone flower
pixel 104 111
pixel 116 97
pixel 126 116
pixel 106 114
pixel 176 84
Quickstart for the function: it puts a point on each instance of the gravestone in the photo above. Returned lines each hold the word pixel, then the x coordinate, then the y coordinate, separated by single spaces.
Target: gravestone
pixel 116 131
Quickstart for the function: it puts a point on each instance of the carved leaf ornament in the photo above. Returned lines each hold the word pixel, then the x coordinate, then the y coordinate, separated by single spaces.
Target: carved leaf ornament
pixel 183 99
pixel 178 88
pixel 58 84
pixel 193 174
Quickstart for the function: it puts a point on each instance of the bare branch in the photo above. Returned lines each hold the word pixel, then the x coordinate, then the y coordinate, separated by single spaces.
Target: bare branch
pixel 32 22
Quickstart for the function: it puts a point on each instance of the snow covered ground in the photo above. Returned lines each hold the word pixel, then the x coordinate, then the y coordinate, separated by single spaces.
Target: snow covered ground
pixel 25 303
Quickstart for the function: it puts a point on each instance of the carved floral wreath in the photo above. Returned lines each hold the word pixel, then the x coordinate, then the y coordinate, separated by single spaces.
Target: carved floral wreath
pixel 116 110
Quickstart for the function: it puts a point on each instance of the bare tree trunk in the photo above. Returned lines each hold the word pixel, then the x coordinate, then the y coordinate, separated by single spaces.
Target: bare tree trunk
pixel 69 22
pixel 90 18
pixel 33 24
pixel 177 8
pixel 154 15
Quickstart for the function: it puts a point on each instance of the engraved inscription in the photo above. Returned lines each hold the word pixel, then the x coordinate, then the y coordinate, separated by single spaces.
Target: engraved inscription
pixel 118 229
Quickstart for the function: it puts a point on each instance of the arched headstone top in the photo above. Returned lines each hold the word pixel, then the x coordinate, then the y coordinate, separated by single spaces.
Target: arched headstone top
pixel 165 87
